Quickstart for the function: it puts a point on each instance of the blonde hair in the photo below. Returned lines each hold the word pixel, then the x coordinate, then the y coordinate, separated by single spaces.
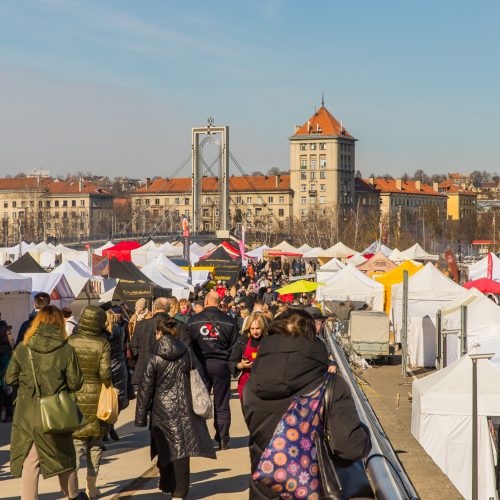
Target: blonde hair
pixel 261 321
pixel 244 312
pixel 110 320
pixel 49 315
pixel 174 306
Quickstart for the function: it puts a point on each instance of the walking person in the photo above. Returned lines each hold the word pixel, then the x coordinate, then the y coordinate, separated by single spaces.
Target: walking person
pixel 177 433
pixel 115 334
pixel 40 300
pixel 293 361
pixel 141 313
pixel 212 335
pixel 245 349
pixel 69 319
pixel 45 352
pixel 94 355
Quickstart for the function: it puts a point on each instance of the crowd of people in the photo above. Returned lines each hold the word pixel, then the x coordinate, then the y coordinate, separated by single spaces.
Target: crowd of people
pixel 273 347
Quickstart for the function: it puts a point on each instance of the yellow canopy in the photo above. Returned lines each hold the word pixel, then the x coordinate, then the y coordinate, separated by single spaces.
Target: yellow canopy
pixel 300 286
pixel 393 278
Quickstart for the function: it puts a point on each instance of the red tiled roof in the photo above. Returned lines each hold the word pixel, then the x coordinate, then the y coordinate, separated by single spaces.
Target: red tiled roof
pixel 210 184
pixel 450 187
pixel 18 183
pixel 407 187
pixel 363 185
pixel 49 186
pixel 322 123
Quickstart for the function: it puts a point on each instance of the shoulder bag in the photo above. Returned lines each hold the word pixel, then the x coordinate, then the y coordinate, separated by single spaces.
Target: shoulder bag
pixel 60 413
pixel 202 404
pixel 340 479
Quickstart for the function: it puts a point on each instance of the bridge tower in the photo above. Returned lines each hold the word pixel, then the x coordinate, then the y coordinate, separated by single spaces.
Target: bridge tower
pixel 219 169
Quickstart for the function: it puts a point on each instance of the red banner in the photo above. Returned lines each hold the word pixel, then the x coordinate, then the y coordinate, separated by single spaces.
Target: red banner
pixel 100 265
pixel 452 264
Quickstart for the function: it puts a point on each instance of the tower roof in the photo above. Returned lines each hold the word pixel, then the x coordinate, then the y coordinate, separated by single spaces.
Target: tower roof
pixel 323 123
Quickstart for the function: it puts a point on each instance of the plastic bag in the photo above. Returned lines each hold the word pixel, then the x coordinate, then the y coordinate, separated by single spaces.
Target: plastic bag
pixel 107 408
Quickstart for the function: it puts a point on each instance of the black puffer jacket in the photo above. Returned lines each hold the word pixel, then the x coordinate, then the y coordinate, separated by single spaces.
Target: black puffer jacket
pixel 177 432
pixel 93 353
pixel 116 340
pixel 285 367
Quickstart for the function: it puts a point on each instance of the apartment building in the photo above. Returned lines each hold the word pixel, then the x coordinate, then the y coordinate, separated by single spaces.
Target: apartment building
pixel 37 208
pixel 322 165
pixel 461 203
pixel 262 201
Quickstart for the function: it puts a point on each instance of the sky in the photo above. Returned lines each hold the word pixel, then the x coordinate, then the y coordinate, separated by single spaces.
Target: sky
pixel 114 87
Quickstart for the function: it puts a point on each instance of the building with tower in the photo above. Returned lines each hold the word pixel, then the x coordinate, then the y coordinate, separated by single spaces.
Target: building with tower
pixel 322 166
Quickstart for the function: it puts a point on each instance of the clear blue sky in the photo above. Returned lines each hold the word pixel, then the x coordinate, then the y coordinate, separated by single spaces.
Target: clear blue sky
pixel 114 87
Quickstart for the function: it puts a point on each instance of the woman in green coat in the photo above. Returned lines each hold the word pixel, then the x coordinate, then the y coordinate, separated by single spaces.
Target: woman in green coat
pixel 56 367
pixel 93 354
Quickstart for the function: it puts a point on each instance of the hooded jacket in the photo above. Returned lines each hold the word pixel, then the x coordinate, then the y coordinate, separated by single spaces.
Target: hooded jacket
pixel 285 367
pixel 165 392
pixel 56 368
pixel 93 354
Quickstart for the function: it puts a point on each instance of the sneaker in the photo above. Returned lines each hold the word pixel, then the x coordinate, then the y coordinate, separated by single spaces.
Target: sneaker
pixel 113 435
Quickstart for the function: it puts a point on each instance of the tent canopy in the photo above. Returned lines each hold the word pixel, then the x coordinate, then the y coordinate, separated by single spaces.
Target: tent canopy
pixel 416 252
pixel 375 247
pixel 13 282
pixel 304 248
pixel 313 253
pixel 379 263
pixel 26 264
pixel 227 268
pixel 484 285
pixel 480 268
pixel 332 265
pixel 357 259
pixel 284 246
pixel 300 286
pixel 121 251
pixel 106 245
pixel 351 284
pixel 258 253
pixel 337 251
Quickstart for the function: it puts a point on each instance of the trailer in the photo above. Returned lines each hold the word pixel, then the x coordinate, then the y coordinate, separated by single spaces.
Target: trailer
pixel 369 334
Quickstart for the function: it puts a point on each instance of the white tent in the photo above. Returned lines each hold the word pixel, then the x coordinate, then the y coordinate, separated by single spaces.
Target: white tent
pixel 375 247
pixel 483 325
pixel 428 291
pixel 357 259
pixel 416 252
pixel 397 256
pixel 442 422
pixel 332 265
pixel 139 255
pixel 480 268
pixel 108 244
pixel 160 273
pixel 258 253
pixel 14 298
pixel 56 285
pixel 338 251
pixel 284 246
pixel 175 274
pixel 314 253
pixel 351 284
pixel 209 246
pixel 304 248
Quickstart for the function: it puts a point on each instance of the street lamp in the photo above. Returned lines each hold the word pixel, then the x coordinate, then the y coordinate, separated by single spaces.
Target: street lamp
pixel 475 466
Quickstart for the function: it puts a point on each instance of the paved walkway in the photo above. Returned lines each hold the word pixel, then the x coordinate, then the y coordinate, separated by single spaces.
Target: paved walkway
pixel 127 471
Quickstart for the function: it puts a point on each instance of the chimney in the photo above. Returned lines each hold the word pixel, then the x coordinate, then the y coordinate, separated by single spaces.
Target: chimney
pixel 80 184
pixel 148 182
pixel 399 184
pixel 435 186
pixel 418 185
pixel 371 180
pixel 278 179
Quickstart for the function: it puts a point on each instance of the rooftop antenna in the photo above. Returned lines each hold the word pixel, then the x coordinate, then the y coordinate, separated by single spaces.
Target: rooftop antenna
pixel 322 99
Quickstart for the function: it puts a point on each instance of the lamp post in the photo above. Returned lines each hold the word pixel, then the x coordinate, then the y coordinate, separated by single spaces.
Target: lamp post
pixel 475 465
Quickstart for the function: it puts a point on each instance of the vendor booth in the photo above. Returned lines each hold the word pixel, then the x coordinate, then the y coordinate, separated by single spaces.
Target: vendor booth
pixel 15 295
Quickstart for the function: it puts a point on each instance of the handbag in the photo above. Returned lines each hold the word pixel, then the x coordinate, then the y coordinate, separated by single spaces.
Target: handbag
pixel 202 403
pixel 60 413
pixel 107 407
pixel 340 479
pixel 289 464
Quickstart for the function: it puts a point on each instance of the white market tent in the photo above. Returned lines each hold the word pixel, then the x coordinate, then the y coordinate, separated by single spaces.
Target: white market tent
pixel 56 285
pixel 175 274
pixel 337 251
pixel 139 255
pixel 480 268
pixel 375 247
pixel 416 252
pixel 209 246
pixel 351 284
pixel 304 248
pixel 15 298
pixel 98 250
pixel 397 256
pixel 428 291
pixel 357 259
pixel 442 421
pixel 258 253
pixel 483 325
pixel 332 265
pixel 161 274
pixel 314 253
pixel 284 246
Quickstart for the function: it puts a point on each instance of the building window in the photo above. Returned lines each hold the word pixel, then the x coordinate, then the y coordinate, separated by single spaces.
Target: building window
pixel 303 200
pixel 322 161
pixel 186 213
pixel 303 162
pixel 239 200
pixel 303 176
pixel 313 175
pixel 303 187
pixel 176 214
pixel 322 199
pixel 249 199
pixel 258 212
pixel 56 203
pixel 303 147
pixel 270 199
pixel 147 201
pixel 312 147
pixel 177 201
pixel 303 212
pixel 5 204
pixel 14 204
pixel 249 212
pixel 281 212
pixel 322 146
pixel 186 201
pixel 40 204
pixel 322 187
pixel 65 203
pixel 82 203
pixel 322 175
pixel 281 199
pixel 73 203
pixel 313 162
pixel 206 212
pixel 157 201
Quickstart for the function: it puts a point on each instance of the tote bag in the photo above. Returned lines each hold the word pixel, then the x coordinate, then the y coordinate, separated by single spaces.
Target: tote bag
pixel 289 464
pixel 202 404
pixel 107 408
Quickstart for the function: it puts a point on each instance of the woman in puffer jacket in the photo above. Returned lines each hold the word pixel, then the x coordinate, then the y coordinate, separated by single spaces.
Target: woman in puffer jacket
pixel 177 433
pixel 116 335
pixel 93 353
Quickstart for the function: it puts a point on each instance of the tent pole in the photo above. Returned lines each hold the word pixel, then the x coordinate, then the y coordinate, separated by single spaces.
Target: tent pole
pixel 463 330
pixel 404 336
pixel 438 339
pixel 444 350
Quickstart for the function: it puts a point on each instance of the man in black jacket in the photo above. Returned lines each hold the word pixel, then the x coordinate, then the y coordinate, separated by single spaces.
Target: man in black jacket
pixel 144 337
pixel 212 335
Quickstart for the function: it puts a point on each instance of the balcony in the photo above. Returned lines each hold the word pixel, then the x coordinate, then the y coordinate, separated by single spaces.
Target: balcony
pixel 313 193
